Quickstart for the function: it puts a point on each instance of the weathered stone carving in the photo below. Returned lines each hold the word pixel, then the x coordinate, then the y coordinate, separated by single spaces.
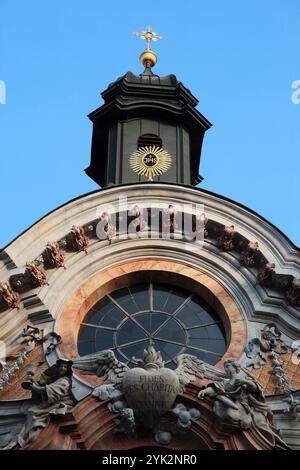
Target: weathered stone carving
pixel 8 296
pixel 201 224
pixel 170 223
pixel 239 400
pixel 226 241
pixel 167 429
pixel 53 256
pixel 265 277
pixel 279 372
pixel 250 255
pixel 126 423
pixel 105 228
pixel 138 224
pixel 36 273
pixel 30 337
pixel 53 339
pixel 293 407
pixel 150 389
pixel 293 294
pixel 12 371
pixel 51 395
pixel 78 239
pixel 270 341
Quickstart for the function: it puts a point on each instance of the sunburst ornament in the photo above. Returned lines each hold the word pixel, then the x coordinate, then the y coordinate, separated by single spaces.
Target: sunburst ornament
pixel 150 161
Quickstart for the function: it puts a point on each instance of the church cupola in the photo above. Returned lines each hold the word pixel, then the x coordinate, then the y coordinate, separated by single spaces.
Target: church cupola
pixel 148 129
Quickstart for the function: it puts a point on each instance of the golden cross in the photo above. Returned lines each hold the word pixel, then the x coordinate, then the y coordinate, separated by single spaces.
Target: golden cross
pixel 149 36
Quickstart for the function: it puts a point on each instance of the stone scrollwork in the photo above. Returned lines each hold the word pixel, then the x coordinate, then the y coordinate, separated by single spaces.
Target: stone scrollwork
pixel 239 401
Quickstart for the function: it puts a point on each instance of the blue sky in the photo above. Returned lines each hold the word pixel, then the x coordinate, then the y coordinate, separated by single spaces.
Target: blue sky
pixel 238 57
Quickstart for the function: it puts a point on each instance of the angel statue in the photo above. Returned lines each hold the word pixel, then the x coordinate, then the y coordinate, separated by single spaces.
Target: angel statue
pixel 150 389
pixel 51 395
pixel 239 400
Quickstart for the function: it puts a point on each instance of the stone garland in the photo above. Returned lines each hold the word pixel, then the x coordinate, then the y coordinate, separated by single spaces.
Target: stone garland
pixel 78 239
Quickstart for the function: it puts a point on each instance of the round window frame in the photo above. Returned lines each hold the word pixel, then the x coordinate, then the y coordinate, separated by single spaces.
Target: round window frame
pixel 132 272
pixel 149 288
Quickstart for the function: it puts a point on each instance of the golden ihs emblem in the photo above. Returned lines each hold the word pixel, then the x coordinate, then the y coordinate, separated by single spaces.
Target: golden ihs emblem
pixel 150 161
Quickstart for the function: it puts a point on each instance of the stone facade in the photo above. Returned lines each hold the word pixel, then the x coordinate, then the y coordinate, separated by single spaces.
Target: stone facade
pixel 217 275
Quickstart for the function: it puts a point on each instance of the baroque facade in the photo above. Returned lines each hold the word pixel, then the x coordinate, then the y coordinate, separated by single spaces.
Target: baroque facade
pixel 150 312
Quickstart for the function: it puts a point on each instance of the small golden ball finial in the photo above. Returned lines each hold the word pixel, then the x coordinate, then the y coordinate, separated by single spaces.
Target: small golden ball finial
pixel 148 58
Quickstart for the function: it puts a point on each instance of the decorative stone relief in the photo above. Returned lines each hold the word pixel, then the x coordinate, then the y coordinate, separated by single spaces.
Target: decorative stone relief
pixel 138 223
pixel 239 400
pixel 270 341
pixel 105 228
pixel 165 430
pixel 170 223
pixel 9 297
pixel 51 395
pixel 265 277
pixel 36 274
pixel 226 241
pixel 149 390
pixel 226 238
pixel 250 255
pixel 53 256
pixel 79 240
pixel 12 371
pixel 293 294
pixel 30 337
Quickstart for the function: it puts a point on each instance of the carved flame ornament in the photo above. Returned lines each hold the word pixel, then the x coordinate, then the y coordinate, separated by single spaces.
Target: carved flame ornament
pixel 150 161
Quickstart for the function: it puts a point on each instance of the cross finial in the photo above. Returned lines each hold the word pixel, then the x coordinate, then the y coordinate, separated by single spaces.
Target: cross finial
pixel 148 58
pixel 149 36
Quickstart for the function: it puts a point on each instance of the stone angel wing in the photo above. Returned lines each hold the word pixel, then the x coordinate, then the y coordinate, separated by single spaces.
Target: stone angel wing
pixel 103 364
pixel 189 368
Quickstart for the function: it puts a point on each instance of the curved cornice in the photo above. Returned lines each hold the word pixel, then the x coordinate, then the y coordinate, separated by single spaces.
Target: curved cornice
pixel 198 192
pixel 255 301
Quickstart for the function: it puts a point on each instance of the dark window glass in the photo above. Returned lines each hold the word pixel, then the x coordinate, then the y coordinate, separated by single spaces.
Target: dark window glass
pixel 171 319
